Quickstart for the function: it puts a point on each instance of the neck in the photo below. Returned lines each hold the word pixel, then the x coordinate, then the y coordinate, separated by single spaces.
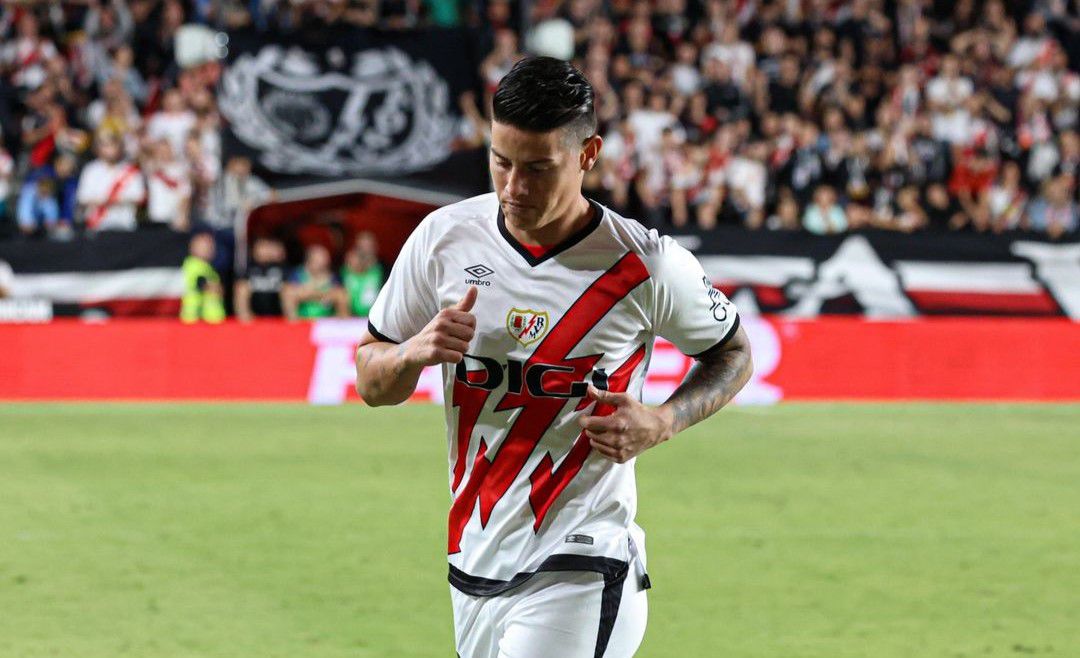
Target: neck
pixel 569 222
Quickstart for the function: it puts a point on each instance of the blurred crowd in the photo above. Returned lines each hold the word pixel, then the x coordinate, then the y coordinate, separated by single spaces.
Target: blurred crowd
pixel 95 137
pixel 824 115
pixel 821 115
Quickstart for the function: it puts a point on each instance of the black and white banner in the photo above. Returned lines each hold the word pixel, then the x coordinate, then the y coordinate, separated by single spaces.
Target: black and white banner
pixel 891 275
pixel 344 103
pixel 876 274
pixel 115 273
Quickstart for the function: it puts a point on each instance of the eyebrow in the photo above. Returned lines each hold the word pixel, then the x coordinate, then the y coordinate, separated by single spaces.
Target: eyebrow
pixel 531 162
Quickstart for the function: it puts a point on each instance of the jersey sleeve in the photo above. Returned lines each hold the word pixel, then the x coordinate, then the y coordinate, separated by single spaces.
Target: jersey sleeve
pixel 408 300
pixel 689 311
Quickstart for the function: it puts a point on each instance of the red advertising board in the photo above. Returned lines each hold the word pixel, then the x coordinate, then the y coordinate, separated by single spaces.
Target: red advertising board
pixel 839 358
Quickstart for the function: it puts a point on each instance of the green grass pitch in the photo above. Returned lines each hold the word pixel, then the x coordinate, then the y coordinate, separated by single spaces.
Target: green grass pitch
pixel 801 530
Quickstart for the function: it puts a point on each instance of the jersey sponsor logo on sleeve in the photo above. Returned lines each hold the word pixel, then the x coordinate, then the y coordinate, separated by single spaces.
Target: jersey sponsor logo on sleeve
pixel 526 325
pixel 719 303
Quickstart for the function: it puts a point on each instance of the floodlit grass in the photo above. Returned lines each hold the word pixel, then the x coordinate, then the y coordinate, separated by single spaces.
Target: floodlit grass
pixel 801 530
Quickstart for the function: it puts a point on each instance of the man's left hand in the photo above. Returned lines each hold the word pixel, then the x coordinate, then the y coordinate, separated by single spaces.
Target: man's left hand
pixel 621 428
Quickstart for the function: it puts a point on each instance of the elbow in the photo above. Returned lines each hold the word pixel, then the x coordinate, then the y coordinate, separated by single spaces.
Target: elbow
pixel 374 398
pixel 746 367
pixel 369 397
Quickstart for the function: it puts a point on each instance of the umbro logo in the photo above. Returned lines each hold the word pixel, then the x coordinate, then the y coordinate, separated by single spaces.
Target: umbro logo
pixel 478 273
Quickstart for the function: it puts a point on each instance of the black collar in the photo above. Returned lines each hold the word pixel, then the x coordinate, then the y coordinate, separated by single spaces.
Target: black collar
pixel 597 216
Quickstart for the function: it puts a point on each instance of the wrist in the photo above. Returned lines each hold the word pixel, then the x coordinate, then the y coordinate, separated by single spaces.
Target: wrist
pixel 666 415
pixel 406 359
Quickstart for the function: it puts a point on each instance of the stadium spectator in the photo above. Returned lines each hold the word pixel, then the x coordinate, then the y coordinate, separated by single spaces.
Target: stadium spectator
pixel 786 217
pixel 41 125
pixel 942 210
pixel 37 211
pixel 908 214
pixel 23 58
pixel 7 171
pixel 174 122
pixel 362 274
pixel 7 280
pixel 825 216
pixel 168 183
pixel 205 170
pixel 66 167
pixel 313 290
pixel 236 194
pixel 257 292
pixel 115 117
pixel 971 179
pixel 122 68
pixel 110 189
pixel 499 61
pixel 1006 201
pixel 202 299
pixel 1053 212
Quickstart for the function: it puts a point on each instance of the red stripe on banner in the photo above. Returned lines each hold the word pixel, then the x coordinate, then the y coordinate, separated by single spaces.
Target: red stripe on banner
pixel 1040 303
pixel 771 296
pixel 157 307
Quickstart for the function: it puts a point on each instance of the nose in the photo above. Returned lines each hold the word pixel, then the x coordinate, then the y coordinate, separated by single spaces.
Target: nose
pixel 515 184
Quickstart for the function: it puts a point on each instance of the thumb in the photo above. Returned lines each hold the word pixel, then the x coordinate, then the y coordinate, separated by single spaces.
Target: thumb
pixel 605 397
pixel 468 300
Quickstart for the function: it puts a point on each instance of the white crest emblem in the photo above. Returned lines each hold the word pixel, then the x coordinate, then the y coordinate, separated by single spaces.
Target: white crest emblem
pixel 391 112
pixel 526 325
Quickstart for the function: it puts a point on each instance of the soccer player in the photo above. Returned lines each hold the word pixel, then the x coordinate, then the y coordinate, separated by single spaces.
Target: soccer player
pixel 541 307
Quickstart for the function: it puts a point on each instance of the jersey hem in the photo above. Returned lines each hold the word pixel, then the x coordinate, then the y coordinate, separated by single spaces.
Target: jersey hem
pixel 380 336
pixel 609 567
pixel 723 341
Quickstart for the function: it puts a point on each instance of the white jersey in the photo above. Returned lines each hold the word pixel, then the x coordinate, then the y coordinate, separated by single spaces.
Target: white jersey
pixel 529 494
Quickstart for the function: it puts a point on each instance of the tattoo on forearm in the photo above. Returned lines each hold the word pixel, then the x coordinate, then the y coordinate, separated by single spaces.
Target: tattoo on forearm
pixel 709 385
pixel 380 366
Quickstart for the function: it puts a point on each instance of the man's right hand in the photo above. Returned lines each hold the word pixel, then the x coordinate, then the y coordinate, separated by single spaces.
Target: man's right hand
pixel 446 338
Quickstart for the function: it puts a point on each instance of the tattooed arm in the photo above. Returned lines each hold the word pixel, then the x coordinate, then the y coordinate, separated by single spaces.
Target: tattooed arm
pixel 710 384
pixel 621 428
pixel 387 373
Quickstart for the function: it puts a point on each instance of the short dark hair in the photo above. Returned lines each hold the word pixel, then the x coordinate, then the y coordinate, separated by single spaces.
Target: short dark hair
pixel 541 94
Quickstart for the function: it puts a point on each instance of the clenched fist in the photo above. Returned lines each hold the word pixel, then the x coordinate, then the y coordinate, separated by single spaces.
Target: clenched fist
pixel 446 338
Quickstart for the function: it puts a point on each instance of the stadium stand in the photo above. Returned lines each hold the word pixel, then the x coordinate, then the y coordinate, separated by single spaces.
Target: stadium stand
pixel 785 115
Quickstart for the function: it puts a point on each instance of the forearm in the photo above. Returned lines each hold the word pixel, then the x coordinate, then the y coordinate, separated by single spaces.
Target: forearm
pixel 384 375
pixel 711 383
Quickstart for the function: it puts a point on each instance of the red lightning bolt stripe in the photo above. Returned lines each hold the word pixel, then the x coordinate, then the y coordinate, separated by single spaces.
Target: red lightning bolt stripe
pixel 490 480
pixel 470 402
pixel 547 485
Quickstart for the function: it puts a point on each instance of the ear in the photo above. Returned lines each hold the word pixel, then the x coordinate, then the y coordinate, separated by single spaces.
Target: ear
pixel 590 152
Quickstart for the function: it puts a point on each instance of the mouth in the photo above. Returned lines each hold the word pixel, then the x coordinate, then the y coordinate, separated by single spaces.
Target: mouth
pixel 516 209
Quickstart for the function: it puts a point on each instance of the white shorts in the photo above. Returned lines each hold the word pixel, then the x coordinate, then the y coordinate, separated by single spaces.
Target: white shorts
pixel 570 614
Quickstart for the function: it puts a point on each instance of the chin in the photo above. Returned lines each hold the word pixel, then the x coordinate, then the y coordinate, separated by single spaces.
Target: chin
pixel 523 216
